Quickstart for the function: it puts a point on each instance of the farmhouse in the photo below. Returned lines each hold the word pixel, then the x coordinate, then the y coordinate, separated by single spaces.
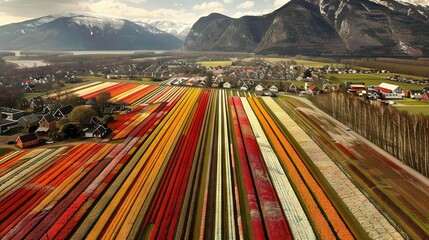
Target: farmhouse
pixel 46 123
pixel 274 89
pixel 29 140
pixel 63 112
pixel 259 88
pixel 290 87
pixel 97 132
pixel 37 104
pixel 227 85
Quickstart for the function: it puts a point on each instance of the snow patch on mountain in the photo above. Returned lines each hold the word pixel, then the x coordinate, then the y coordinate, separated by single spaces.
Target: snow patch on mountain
pixel 179 30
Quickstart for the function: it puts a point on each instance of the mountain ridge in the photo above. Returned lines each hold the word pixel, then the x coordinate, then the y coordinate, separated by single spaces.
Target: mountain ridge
pixel 320 27
pixel 83 31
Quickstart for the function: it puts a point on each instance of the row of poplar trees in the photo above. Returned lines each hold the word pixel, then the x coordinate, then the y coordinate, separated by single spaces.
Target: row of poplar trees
pixel 403 135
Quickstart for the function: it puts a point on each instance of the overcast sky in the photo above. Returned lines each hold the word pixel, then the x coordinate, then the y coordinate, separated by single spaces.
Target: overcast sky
pixel 176 10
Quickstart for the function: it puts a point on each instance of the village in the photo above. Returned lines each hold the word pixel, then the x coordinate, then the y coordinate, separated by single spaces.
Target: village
pixel 44 117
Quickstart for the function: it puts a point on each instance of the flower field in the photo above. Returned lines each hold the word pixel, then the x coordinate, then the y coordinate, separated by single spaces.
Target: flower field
pixel 185 163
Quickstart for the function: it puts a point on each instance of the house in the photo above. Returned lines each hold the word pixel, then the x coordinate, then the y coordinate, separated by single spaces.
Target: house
pixel 63 112
pixel 92 121
pixel 91 102
pixel 227 85
pixel 416 94
pixel 357 85
pixel 392 95
pixel 28 121
pixel 425 97
pixel 6 126
pixel 46 123
pixel 51 108
pixel 274 89
pixel 12 114
pixel 97 132
pixel 29 140
pixel 37 104
pixel 109 111
pixel 313 89
pixel 325 88
pixel 290 87
pixel 259 88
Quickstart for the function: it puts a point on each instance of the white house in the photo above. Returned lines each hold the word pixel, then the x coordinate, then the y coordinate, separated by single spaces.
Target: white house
pixel 259 88
pixel 274 89
pixel 227 85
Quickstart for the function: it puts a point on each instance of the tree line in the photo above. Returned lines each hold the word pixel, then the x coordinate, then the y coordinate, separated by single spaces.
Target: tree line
pixel 403 135
pixel 415 68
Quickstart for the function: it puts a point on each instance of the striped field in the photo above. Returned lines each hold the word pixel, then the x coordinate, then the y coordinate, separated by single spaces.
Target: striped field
pixel 185 163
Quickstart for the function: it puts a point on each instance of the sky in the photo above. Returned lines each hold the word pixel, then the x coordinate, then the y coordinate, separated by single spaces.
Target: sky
pixel 182 11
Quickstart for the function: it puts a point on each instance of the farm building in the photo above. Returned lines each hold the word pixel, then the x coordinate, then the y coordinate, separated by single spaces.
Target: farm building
pixel 37 104
pixel 96 132
pixel 274 89
pixel 12 114
pixel 259 88
pixel 227 85
pixel 29 140
pixel 7 125
pixel 46 123
pixel 28 121
pixel 389 88
pixel 63 112
pixel 290 87
pixel 425 97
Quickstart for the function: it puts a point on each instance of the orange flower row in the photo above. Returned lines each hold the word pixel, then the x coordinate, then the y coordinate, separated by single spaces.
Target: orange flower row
pixel 318 206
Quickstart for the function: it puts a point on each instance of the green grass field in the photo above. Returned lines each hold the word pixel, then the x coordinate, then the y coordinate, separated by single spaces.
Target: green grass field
pixel 412 102
pixel 3 151
pixel 416 109
pixel 215 63
pixel 371 79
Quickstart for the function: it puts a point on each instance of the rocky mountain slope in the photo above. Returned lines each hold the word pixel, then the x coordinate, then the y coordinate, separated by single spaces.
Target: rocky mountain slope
pixel 83 31
pixel 320 27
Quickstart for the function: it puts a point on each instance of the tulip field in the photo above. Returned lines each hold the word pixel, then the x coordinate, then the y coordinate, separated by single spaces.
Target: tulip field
pixel 186 163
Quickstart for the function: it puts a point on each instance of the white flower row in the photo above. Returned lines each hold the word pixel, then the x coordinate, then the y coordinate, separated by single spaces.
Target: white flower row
pixel 95 88
pixel 371 220
pixel 297 219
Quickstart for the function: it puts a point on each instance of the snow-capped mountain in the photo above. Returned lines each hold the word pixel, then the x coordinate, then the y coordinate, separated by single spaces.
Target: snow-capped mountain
pixel 320 27
pixel 179 30
pixel 84 31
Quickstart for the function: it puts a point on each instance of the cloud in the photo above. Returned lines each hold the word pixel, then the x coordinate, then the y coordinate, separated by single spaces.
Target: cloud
pixel 280 3
pixel 227 1
pixel 246 5
pixel 239 14
pixel 209 7
pixel 135 1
